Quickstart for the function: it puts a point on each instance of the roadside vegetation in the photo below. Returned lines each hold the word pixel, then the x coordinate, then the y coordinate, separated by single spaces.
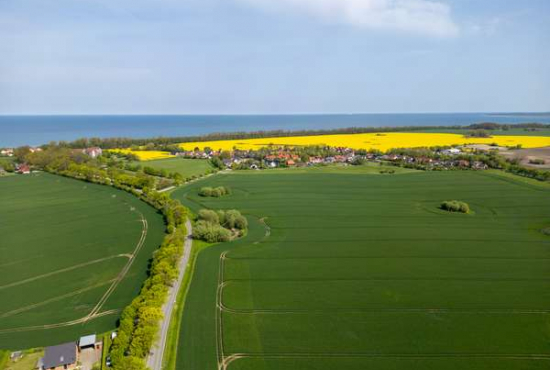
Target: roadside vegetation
pixel 139 321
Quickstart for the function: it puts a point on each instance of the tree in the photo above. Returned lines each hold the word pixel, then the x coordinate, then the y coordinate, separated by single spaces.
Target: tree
pixel 209 216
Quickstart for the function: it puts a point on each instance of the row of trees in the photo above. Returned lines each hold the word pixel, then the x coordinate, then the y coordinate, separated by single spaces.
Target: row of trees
pixel 168 143
pixel 139 321
pixel 219 226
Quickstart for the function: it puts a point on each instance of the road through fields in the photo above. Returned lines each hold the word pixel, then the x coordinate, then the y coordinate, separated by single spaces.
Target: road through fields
pixel 154 361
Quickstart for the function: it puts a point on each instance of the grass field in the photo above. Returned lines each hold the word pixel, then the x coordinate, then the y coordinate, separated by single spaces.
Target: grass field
pixel 360 271
pixel 185 167
pixel 72 255
pixel 380 141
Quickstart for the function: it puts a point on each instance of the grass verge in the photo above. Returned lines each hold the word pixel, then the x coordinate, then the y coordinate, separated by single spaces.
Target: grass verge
pixel 171 350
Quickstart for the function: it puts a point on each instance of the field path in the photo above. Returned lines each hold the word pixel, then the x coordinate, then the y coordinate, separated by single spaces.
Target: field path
pixel 123 272
pixel 154 361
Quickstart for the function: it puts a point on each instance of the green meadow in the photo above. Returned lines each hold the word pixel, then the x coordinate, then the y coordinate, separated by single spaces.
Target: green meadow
pixel 72 255
pixel 185 167
pixel 356 270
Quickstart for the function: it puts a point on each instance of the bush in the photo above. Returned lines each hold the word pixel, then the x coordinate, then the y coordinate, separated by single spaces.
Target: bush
pixel 205 192
pixel 455 206
pixel 209 216
pixel 210 232
pixel 214 192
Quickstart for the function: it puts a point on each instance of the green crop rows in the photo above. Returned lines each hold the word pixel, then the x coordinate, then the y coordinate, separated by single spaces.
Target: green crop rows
pixel 358 271
pixel 63 245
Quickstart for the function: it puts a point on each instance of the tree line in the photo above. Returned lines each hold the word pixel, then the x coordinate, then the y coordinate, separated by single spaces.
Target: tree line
pixel 139 322
pixel 167 143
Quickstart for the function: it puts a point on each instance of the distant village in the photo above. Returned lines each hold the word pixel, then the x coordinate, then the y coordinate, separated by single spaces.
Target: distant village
pixel 441 158
pixel 283 157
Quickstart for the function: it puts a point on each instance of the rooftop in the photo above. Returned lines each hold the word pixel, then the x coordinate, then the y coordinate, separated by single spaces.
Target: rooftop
pixel 62 354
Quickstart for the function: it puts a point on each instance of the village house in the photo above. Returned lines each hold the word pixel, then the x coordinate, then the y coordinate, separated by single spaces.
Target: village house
pixel 6 152
pixel 34 150
pixel 93 152
pixel 60 357
pixel 23 169
pixel 452 151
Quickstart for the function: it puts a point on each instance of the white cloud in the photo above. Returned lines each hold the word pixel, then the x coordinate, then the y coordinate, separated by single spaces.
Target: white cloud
pixel 419 16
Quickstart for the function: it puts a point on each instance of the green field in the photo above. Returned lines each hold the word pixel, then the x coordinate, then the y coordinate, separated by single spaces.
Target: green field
pixel 185 167
pixel 69 250
pixel 363 271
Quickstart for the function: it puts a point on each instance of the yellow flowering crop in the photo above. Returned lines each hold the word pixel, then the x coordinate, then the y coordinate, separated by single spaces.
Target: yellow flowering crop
pixel 380 141
pixel 145 155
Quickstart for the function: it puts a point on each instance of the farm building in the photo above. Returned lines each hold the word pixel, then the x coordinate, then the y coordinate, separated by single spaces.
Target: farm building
pixel 88 341
pixel 62 356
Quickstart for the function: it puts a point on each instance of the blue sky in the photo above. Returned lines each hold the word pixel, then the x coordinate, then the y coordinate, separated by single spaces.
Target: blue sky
pixel 273 56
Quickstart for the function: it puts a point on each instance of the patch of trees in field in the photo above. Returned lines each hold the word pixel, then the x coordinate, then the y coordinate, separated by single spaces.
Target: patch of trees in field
pixel 455 206
pixel 216 192
pixel 219 226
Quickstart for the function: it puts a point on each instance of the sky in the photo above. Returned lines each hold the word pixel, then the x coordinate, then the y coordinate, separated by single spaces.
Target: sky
pixel 273 56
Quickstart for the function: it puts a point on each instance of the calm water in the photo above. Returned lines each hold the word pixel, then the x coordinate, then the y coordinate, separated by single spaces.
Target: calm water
pixel 35 130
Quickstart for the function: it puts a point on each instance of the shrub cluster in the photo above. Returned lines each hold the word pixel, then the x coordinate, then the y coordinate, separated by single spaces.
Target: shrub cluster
pixel 220 191
pixel 455 206
pixel 219 226
pixel 537 161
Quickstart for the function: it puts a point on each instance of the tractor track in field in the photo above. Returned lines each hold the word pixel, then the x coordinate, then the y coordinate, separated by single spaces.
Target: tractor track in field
pixel 51 300
pixel 219 309
pixel 381 310
pixel 82 320
pixel 424 356
pixel 223 360
pixel 57 272
pixel 95 312
pixel 123 272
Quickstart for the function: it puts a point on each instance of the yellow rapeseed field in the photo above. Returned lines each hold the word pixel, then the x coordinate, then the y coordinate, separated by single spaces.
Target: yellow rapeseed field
pixel 380 141
pixel 145 155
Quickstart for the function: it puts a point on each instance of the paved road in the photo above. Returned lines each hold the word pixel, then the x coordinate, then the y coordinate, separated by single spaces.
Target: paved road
pixel 154 361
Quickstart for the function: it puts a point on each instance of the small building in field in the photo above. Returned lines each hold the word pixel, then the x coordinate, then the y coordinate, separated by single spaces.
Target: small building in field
pixel 62 356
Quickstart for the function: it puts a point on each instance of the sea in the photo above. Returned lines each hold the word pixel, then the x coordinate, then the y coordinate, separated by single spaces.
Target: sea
pixel 18 130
